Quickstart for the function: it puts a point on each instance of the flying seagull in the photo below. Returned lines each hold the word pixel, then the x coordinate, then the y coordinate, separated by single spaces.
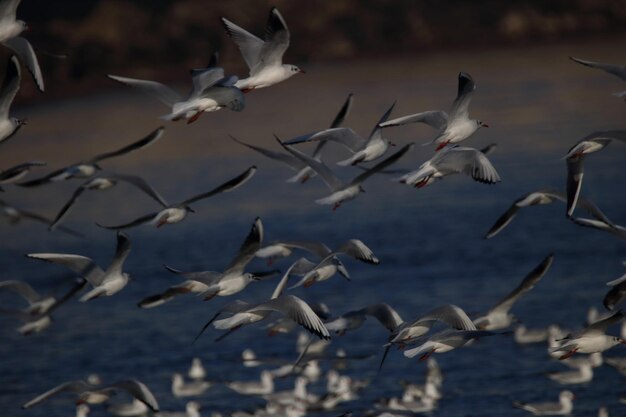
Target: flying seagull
pixel 618 70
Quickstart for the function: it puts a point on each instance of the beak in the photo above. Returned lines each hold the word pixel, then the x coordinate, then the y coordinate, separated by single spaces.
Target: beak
pixel 623 342
pixel 22 121
pixel 301 71
pixel 485 125
pixel 392 144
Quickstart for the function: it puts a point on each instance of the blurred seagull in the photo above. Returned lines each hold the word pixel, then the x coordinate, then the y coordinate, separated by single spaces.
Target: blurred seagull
pixel 454 126
pixel 174 213
pixel 105 283
pixel 352 320
pixel 17 172
pixel 575 157
pixel 89 167
pixel 105 183
pixel 10 29
pixel 563 408
pixel 194 388
pixel 444 341
pixel 10 84
pixel 15 216
pixel 617 70
pixel 211 91
pixel 499 317
pixel 91 394
pixel 454 160
pixel 304 172
pixel 343 191
pixel 617 295
pixel 363 150
pixel 263 57
pixel 209 283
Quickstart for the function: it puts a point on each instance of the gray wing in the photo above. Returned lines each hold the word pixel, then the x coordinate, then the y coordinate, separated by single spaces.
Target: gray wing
pixel 229 185
pixel 138 390
pixel 343 112
pixel 81 265
pixel 526 285
pixel 72 386
pixel 289 160
pixel 297 310
pixel 235 306
pixel 460 106
pixel 65 209
pixel 617 70
pixel 436 119
pixel 385 314
pixel 469 161
pixel 21 288
pixel 142 184
pixel 276 40
pixel 205 78
pixel 26 54
pixel 358 250
pixel 602 325
pixel 162 92
pixel 47 221
pixel 10 85
pixel 614 229
pixel 121 252
pixel 377 130
pixel 205 277
pixel 449 314
pixel 8 10
pixel 489 148
pixel 136 222
pixel 383 164
pixel 341 135
pixel 248 248
pixel 575 173
pixel 16 172
pixel 316 248
pixel 226 96
pixel 135 146
pixel 249 45
pixel 319 167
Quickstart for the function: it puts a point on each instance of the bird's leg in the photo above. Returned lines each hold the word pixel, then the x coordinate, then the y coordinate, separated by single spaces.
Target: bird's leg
pixel 568 354
pixel 194 117
pixel 336 206
pixel 426 355
pixel 442 145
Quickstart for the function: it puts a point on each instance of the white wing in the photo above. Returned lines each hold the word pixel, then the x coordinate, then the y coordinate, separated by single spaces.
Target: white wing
pixel 298 310
pixel 162 92
pixel 26 54
pixel 82 265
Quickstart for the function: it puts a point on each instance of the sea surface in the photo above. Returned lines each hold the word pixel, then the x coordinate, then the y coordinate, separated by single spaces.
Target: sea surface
pixel 429 241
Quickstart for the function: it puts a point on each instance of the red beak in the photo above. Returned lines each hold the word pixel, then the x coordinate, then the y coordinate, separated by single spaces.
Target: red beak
pixel 301 71
pixel 485 125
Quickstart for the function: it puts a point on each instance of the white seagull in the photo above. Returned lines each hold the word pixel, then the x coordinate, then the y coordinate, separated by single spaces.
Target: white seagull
pixel 211 284
pixel 617 294
pixel 575 157
pixel 304 172
pixel 444 341
pixel 10 84
pixel 263 57
pixel 194 388
pixel 362 150
pixel 498 317
pixel 618 70
pixel 342 191
pixel 454 126
pixel 174 213
pixel 88 167
pixel 211 91
pixel 91 394
pixel 10 30
pixel 563 408
pixel 17 172
pixel 454 160
pixel 105 282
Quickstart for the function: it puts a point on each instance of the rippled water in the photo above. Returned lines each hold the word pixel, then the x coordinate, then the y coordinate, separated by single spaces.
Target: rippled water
pixel 429 241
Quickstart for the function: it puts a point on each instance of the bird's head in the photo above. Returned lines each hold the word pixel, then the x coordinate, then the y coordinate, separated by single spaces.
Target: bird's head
pixel 481 124
pixel 295 69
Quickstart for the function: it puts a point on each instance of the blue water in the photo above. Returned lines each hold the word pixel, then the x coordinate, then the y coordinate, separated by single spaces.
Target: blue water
pixel 429 242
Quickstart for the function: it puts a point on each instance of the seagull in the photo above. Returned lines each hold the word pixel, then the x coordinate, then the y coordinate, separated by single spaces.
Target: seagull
pixel 582 375
pixel 591 339
pixel 263 387
pixel 362 150
pixel 343 191
pixel 600 222
pixel 15 216
pixel 210 284
pixel 563 408
pixel 523 335
pixel 499 317
pixel 105 283
pixel 618 70
pixel 444 341
pixel 304 172
pixel 135 408
pixel 174 213
pixel 37 317
pixel 10 30
pixel 263 57
pixel 17 172
pixel 104 183
pixel 352 320
pixel 87 168
pixel 90 394
pixel 289 305
pixel 192 409
pixel 454 126
pixel 11 83
pixel 195 388
pixel 453 160
pixel 575 157
pixel 211 91
pixel 196 370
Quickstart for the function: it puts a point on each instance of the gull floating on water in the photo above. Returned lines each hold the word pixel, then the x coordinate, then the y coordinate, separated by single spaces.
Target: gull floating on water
pixel 88 167
pixel 618 70
pixel 263 387
pixel 263 57
pixel 192 409
pixel 211 91
pixel 563 408
pixel 174 213
pixel 181 388
pixel 454 126
pixel 105 283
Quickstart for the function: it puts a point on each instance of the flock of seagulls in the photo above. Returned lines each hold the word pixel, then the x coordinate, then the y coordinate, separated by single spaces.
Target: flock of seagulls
pixel 440 329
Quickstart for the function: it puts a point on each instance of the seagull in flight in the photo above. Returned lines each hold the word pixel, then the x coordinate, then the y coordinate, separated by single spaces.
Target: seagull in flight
pixel 10 85
pixel 174 213
pixel 17 172
pixel 263 57
pixel 618 70
pixel 211 91
pixel 87 168
pixel 454 126
pixel 105 282
pixel 15 215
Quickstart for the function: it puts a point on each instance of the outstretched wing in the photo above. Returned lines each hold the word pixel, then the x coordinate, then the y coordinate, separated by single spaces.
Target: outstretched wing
pixel 297 310
pixel 83 266
pixel 135 146
pixel 460 106
pixel 26 54
pixel 10 85
pixel 617 70
pixel 229 185
pixel 162 92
